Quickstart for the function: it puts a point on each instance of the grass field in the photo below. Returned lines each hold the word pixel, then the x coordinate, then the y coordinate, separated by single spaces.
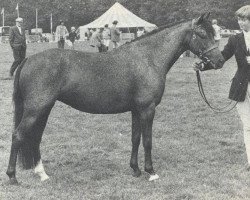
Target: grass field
pixel 197 153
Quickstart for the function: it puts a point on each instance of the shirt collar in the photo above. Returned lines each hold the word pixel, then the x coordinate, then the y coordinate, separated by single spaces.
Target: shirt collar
pixel 246 34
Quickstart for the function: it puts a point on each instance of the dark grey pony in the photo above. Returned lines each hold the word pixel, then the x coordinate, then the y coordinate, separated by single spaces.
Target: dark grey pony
pixel 131 78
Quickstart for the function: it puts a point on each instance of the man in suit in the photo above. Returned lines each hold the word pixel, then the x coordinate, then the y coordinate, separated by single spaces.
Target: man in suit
pixel 17 41
pixel 115 35
pixel 239 45
pixel 61 34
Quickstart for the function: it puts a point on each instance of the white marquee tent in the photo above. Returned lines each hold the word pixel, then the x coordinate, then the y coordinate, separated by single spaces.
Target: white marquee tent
pixel 125 18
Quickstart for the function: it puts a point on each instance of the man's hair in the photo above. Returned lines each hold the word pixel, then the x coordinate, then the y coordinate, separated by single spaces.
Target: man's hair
pixel 243 12
pixel 19 19
pixel 214 21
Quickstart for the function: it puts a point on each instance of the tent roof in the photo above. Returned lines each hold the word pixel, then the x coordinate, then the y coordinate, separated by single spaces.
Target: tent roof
pixel 124 17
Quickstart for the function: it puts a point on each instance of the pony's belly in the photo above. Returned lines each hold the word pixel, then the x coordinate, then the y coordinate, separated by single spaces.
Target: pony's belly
pixel 102 108
pixel 99 105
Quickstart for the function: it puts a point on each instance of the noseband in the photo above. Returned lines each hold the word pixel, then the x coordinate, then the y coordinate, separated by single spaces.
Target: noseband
pixel 202 56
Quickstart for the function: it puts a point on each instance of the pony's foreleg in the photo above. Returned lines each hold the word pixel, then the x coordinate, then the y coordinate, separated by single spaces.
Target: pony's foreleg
pixel 147 117
pixel 136 137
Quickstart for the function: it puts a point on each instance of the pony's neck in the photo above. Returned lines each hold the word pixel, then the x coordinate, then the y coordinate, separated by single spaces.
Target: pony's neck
pixel 170 44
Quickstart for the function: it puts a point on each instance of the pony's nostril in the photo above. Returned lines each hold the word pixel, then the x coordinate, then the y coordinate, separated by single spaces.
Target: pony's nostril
pixel 221 61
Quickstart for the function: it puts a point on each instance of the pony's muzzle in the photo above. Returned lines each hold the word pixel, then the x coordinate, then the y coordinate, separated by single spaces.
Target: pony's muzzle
pixel 220 63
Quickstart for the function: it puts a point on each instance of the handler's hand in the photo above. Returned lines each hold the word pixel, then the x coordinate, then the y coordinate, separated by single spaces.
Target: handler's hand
pixel 198 66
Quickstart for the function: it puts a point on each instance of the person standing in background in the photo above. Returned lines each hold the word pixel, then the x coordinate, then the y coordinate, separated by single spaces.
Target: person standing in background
pixel 97 40
pixel 17 41
pixel 140 32
pixel 72 37
pixel 217 30
pixel 115 35
pixel 106 36
pixel 61 33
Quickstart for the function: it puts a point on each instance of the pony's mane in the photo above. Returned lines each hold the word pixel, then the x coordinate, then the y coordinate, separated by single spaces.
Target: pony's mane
pixel 157 30
pixel 206 24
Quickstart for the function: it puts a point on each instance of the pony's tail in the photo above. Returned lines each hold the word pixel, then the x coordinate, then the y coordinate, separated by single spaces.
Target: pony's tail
pixel 17 97
pixel 25 154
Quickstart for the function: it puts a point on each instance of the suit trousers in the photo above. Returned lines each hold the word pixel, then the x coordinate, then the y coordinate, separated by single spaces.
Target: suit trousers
pixel 243 109
pixel 115 44
pixel 61 44
pixel 19 54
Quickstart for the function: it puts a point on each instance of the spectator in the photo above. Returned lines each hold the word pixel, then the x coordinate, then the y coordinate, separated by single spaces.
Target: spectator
pixel 97 40
pixel 61 33
pixel 115 35
pixel 217 30
pixel 106 36
pixel 140 32
pixel 17 41
pixel 72 37
pixel 87 34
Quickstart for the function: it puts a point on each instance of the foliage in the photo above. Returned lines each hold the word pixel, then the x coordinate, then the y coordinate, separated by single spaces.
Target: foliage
pixel 79 12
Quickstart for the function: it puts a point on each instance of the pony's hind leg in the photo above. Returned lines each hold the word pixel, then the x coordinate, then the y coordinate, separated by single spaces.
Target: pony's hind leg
pixel 136 137
pixel 19 137
pixel 39 170
pixel 26 139
pixel 39 128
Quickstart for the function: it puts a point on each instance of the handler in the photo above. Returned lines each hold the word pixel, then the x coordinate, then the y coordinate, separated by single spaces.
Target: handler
pixel 17 41
pixel 239 46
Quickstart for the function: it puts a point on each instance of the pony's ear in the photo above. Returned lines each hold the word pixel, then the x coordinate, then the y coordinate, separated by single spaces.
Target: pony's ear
pixel 201 18
pixel 207 15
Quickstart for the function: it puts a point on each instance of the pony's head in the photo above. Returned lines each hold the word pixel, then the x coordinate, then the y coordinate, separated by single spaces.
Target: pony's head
pixel 200 41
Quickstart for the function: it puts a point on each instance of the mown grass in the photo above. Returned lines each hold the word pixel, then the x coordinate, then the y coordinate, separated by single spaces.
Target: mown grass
pixel 197 153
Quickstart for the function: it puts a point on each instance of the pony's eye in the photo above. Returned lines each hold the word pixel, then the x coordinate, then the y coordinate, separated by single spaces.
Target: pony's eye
pixel 202 33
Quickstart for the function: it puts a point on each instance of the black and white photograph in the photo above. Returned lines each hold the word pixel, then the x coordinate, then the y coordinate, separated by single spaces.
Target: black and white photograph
pixel 124 100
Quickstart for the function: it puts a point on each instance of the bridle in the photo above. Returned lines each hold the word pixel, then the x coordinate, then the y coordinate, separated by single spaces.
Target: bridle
pixel 201 53
pixel 206 61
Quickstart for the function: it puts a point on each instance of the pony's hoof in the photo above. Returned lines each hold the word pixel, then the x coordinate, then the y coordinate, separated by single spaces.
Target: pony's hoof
pixel 44 178
pixel 137 173
pixel 153 177
pixel 13 181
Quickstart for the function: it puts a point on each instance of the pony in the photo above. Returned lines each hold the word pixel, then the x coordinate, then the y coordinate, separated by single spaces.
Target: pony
pixel 129 79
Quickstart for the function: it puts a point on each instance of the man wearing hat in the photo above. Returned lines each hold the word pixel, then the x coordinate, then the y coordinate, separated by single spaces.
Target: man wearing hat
pixel 17 41
pixel 115 34
pixel 61 33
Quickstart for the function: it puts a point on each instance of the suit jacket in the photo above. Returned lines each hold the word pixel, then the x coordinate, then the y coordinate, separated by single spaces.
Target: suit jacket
pixel 96 39
pixel 236 46
pixel 115 34
pixel 17 39
pixel 61 32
